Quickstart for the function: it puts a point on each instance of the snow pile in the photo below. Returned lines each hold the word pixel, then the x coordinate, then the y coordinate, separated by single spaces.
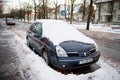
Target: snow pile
pixel 97 27
pixel 37 69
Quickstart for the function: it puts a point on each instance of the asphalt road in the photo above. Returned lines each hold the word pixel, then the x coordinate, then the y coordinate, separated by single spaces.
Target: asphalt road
pixel 110 52
pixel 109 49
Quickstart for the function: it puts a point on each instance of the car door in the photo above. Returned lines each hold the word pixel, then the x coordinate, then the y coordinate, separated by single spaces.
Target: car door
pixel 30 34
pixel 37 37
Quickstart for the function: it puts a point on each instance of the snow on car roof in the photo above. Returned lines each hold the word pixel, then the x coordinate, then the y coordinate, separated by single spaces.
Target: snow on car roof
pixel 59 31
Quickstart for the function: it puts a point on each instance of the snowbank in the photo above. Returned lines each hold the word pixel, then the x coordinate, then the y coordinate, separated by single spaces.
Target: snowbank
pixel 38 70
pixel 97 27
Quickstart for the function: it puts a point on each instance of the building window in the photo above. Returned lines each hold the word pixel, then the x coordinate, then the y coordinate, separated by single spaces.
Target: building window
pixel 118 17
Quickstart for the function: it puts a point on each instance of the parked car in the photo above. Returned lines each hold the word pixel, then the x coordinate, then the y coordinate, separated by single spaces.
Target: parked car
pixel 10 21
pixel 61 45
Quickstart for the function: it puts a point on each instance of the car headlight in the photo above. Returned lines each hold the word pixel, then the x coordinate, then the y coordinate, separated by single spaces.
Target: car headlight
pixel 61 52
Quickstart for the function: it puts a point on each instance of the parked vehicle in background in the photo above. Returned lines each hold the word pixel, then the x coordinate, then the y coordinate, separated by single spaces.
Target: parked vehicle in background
pixel 61 45
pixel 10 21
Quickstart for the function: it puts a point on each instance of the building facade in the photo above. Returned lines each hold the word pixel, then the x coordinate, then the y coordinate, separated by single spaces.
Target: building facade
pixel 108 11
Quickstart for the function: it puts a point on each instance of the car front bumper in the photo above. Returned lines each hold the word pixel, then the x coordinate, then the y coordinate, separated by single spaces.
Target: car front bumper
pixel 10 23
pixel 76 62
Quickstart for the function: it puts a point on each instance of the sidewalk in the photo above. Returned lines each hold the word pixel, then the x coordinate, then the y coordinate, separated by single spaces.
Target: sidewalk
pixel 10 68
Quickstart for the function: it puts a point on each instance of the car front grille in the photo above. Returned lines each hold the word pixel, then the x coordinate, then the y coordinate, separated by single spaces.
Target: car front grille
pixel 81 54
pixel 72 54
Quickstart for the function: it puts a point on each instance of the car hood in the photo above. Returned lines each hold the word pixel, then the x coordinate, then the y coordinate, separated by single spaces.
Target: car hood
pixel 74 46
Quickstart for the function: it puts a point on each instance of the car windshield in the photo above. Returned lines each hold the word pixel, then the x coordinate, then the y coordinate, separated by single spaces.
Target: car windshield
pixel 10 19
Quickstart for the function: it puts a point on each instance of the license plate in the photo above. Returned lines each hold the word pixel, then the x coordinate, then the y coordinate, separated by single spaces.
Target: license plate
pixel 85 61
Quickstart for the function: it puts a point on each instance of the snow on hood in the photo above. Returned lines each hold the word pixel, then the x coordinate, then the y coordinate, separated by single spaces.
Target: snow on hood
pixel 59 31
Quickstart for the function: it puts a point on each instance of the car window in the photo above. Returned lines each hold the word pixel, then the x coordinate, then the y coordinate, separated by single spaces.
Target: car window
pixel 32 27
pixel 10 19
pixel 38 29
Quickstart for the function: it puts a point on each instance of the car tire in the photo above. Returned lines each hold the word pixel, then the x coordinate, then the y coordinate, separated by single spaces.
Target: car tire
pixel 45 57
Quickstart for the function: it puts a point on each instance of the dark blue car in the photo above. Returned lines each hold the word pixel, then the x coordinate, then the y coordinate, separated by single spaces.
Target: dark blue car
pixel 61 45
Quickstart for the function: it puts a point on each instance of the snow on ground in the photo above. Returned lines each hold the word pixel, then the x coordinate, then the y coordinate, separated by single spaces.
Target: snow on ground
pixel 37 69
pixel 98 27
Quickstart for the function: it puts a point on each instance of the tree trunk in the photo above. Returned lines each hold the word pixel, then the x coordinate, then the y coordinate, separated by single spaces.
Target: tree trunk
pixel 35 13
pixel 71 19
pixel 99 11
pixel 83 11
pixel 65 9
pixel 89 16
pixel 35 9
pixel 56 10
pixel 44 9
pixel 24 14
pixel 111 11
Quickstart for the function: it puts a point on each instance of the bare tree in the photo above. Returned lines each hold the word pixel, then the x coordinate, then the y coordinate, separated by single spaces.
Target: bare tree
pixel 27 9
pixel 44 8
pixel 35 8
pixel 56 8
pixel 72 5
pixel 99 12
pixel 83 17
pixel 20 10
pixel 112 10
pixel 1 7
pixel 65 9
pixel 89 16
pixel 39 10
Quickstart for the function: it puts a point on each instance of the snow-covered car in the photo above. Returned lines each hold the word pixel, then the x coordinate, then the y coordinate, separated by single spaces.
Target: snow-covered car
pixel 10 21
pixel 61 45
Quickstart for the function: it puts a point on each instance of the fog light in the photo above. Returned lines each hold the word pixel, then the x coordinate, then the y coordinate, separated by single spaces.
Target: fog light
pixel 63 66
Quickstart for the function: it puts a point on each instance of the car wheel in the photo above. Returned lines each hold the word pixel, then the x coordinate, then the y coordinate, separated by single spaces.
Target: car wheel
pixel 46 58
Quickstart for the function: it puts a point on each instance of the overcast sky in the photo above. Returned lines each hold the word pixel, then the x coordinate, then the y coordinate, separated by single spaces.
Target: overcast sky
pixel 15 3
